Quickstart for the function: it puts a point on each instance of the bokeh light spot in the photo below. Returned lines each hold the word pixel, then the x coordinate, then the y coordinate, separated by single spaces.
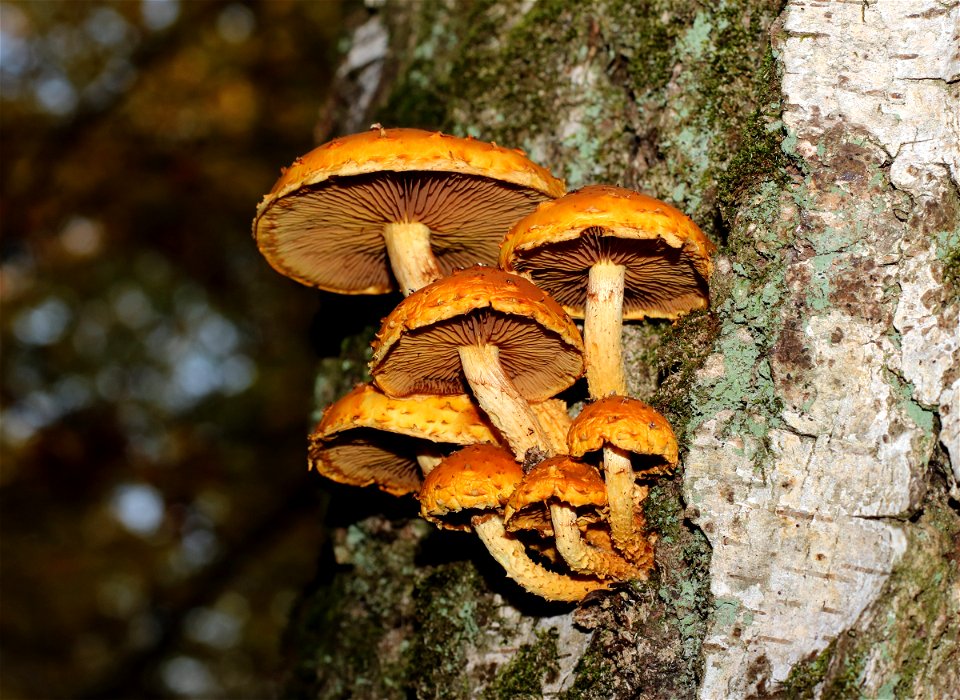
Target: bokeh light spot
pixel 44 324
pixel 138 507
pixel 159 14
pixel 186 675
pixel 236 23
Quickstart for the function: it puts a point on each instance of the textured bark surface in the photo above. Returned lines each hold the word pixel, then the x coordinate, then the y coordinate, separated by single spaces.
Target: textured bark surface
pixel 810 545
pixel 807 503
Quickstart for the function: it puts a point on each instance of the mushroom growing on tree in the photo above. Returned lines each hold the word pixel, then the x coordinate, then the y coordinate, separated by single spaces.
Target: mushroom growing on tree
pixel 508 339
pixel 419 203
pixel 487 332
pixel 569 490
pixel 468 490
pixel 622 427
pixel 369 438
pixel 607 254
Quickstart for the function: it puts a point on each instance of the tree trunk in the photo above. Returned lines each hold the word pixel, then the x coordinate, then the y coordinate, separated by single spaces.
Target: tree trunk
pixel 809 546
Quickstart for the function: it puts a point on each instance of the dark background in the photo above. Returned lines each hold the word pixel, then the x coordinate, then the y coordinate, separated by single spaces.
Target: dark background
pixel 157 518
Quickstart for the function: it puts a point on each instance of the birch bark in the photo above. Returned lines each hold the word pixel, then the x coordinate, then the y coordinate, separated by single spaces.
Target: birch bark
pixel 806 532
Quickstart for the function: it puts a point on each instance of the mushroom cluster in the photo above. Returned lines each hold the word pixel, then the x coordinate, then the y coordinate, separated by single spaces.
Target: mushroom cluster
pixel 494 261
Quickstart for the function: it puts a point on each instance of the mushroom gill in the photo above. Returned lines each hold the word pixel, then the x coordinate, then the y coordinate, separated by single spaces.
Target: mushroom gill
pixel 461 220
pixel 652 286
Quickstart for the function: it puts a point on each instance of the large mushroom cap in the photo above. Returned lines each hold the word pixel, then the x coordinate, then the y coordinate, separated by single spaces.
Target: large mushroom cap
pixel 626 423
pixel 416 350
pixel 322 223
pixel 477 478
pixel 666 256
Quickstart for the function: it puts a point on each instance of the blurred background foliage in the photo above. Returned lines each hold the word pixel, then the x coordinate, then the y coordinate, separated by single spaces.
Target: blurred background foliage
pixel 157 520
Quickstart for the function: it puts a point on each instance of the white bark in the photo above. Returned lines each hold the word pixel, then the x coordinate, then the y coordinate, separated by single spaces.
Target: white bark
pixel 802 544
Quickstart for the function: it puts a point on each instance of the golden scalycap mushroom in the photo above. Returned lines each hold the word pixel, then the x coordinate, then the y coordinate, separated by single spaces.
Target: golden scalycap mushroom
pixel 446 200
pixel 567 488
pixel 467 490
pixel 416 349
pixel 366 438
pixel 488 330
pixel 476 478
pixel 666 256
pixel 627 423
pixel 622 427
pixel 557 478
pixel 609 254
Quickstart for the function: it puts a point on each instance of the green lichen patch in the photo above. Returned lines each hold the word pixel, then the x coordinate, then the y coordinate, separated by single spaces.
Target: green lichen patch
pixel 805 676
pixel 760 157
pixel 449 618
pixel 532 665
pixel 682 350
pixel 692 71
pixel 346 632
pixel 593 676
pixel 750 320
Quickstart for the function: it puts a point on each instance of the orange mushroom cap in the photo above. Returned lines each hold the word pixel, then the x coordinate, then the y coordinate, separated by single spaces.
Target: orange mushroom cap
pixel 476 478
pixel 367 438
pixel 322 222
pixel 450 419
pixel 666 256
pixel 627 423
pixel 415 351
pixel 559 478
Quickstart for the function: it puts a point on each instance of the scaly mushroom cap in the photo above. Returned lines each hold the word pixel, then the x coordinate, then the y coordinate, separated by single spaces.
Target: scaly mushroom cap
pixel 666 256
pixel 623 422
pixel 322 223
pixel 477 478
pixel 366 438
pixel 559 479
pixel 416 349
pixel 450 419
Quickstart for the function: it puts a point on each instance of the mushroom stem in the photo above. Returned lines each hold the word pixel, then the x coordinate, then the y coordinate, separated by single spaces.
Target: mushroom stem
pixel 602 326
pixel 579 555
pixel 428 461
pixel 511 555
pixel 509 412
pixel 411 257
pixel 618 473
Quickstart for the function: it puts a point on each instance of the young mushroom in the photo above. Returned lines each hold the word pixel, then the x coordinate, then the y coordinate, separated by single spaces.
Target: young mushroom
pixel 569 491
pixel 607 254
pixel 417 203
pixel 622 427
pixel 467 491
pixel 488 332
pixel 369 438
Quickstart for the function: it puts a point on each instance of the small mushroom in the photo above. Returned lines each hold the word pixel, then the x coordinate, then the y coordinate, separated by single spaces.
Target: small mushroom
pixel 608 254
pixel 488 332
pixel 369 438
pixel 622 426
pixel 575 495
pixel 467 491
pixel 419 203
